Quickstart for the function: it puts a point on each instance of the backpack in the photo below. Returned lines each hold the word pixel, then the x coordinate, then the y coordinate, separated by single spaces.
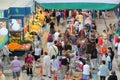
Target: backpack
pixel 50 39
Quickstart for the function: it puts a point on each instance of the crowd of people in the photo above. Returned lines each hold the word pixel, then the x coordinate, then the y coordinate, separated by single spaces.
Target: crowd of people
pixel 81 48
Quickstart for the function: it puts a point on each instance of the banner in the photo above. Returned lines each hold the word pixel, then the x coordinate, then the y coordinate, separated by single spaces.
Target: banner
pixel 79 4
pixel 80 1
pixel 1 14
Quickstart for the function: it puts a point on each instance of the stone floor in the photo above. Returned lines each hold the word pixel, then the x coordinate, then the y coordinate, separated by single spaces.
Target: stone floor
pixel 100 27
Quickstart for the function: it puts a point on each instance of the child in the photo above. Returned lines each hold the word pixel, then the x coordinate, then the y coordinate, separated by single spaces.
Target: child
pixel 38 68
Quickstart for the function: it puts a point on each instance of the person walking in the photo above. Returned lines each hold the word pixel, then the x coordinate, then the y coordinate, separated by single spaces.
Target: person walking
pixel 54 65
pixel 64 64
pixel 46 65
pixel 58 17
pixel 103 69
pixel 112 76
pixel 86 71
pixel 37 53
pixel 110 57
pixel 29 63
pixel 93 60
pixel 105 38
pixel 110 32
pixel 1 66
pixel 6 53
pixel 53 50
pixel 16 67
pixel 117 45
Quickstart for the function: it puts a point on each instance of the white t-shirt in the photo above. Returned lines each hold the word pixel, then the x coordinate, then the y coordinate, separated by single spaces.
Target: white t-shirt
pixel 46 60
pixel 104 57
pixel 37 51
pixel 54 64
pixel 56 35
pixel 57 13
pixel 108 58
pixel 86 69
pixel 80 27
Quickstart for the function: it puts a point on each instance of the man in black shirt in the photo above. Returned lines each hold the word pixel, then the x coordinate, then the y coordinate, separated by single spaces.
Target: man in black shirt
pixel 52 28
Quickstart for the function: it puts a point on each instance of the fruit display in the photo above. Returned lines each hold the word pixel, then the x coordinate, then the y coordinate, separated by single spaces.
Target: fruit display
pixel 34 28
pixel 16 46
pixel 13 46
pixel 25 46
pixel 18 40
pixel 28 36
pixel 36 23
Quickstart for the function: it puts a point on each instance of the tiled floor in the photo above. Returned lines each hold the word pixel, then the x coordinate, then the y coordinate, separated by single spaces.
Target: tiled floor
pixel 100 27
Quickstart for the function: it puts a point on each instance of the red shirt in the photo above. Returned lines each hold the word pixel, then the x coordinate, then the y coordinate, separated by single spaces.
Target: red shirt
pixel 29 59
pixel 100 41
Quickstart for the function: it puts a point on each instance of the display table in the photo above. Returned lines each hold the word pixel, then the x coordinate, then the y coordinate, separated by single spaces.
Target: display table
pixel 18 53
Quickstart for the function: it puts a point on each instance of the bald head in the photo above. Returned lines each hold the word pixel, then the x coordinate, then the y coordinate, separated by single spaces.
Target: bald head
pixel 15 58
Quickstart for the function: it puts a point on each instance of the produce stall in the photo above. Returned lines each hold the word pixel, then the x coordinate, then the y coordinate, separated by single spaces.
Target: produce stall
pixel 35 24
pixel 16 20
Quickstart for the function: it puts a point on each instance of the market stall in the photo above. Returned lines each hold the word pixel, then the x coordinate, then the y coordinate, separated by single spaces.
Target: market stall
pixel 15 13
pixel 17 44
pixel 35 24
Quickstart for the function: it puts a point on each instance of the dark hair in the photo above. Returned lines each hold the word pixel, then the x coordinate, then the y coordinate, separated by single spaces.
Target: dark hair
pixel 55 42
pixel 53 57
pixel 118 40
pixel 103 62
pixel 110 49
pixel 113 73
pixel 104 30
pixel 46 53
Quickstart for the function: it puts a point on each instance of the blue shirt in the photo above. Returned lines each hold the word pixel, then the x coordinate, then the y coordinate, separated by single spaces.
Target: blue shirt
pixel 103 70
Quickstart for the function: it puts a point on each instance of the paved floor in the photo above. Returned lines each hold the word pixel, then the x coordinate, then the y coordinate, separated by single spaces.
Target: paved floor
pixel 100 27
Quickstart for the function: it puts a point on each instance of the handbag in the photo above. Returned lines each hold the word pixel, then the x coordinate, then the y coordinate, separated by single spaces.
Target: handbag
pixel 26 65
pixel 30 65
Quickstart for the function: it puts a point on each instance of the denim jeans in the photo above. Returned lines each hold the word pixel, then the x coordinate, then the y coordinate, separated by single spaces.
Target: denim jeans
pixel 110 65
pixel 110 36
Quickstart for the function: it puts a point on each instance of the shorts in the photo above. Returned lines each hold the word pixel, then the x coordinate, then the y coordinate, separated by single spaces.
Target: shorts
pixel 84 76
pixel 36 57
pixel 16 74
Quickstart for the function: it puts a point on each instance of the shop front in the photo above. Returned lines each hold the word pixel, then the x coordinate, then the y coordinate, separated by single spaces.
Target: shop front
pixel 15 20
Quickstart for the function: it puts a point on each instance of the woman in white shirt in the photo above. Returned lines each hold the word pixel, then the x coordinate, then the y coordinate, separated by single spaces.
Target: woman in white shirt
pixel 86 71
pixel 37 52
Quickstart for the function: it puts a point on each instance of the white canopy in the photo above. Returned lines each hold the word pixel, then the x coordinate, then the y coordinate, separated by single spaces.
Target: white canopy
pixel 5 4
